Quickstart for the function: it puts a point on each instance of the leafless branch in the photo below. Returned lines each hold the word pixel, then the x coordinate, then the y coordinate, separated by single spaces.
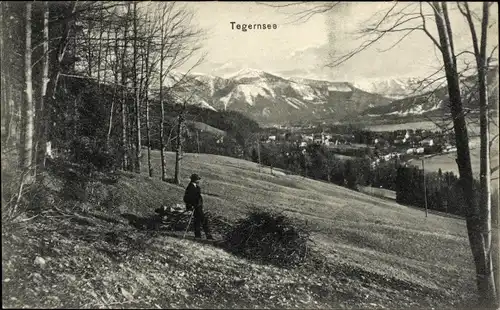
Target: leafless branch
pixel 282 5
pixel 490 58
pixel 306 15
pixel 426 31
pixel 420 84
pixel 400 40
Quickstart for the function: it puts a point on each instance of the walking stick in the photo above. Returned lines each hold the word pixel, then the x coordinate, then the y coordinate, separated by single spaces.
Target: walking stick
pixel 185 232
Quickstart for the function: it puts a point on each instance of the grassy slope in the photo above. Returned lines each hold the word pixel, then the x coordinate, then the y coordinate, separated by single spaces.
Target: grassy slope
pixel 391 255
pixel 349 221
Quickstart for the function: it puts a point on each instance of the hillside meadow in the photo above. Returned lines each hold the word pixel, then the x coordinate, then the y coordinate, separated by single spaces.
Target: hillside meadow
pixel 352 227
pixel 374 252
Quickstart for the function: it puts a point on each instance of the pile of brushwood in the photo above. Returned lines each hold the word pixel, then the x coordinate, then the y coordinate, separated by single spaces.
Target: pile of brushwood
pixel 269 238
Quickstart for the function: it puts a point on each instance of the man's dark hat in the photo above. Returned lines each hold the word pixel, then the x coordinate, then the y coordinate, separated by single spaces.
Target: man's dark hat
pixel 195 177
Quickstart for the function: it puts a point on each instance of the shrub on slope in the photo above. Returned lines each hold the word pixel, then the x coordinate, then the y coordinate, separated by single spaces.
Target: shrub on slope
pixel 268 237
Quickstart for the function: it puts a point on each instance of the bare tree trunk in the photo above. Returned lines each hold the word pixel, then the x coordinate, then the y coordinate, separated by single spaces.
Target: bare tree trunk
pixel 39 153
pixel 89 49
pixel 137 158
pixel 54 79
pixel 178 149
pixel 115 69
pixel 146 97
pixel 148 135
pixel 486 281
pixel 2 75
pixel 124 98
pixel 99 60
pixel 27 107
pixel 473 215
pixel 162 120
pixel 75 116
pixel 6 112
pixel 484 262
pixel 99 50
pixel 11 117
pixel 106 57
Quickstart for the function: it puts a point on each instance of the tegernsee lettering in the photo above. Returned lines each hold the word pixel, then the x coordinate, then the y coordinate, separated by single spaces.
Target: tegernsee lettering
pixel 245 27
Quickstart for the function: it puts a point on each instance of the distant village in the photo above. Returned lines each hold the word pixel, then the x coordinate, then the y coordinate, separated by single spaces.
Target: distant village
pixel 403 145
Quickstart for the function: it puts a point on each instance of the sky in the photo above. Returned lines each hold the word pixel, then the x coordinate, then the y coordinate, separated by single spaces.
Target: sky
pixel 303 49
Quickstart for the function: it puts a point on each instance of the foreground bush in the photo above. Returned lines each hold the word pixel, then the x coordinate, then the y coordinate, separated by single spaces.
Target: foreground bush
pixel 269 238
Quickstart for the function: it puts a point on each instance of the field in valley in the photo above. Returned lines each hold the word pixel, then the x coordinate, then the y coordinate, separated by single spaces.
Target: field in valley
pixel 425 124
pixel 383 254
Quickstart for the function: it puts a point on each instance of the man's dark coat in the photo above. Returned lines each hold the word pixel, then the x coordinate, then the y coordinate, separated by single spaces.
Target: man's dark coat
pixel 192 196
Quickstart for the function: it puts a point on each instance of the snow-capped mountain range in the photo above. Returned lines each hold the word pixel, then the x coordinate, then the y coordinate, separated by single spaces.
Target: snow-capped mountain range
pixel 272 99
pixel 395 88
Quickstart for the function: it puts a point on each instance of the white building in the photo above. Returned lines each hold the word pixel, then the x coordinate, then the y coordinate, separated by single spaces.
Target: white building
pixel 427 142
pixel 308 137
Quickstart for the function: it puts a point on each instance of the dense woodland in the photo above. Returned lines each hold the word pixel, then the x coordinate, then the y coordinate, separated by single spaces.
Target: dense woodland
pixel 95 83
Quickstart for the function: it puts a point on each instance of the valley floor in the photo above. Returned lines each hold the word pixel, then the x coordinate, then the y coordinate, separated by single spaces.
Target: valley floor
pixel 375 253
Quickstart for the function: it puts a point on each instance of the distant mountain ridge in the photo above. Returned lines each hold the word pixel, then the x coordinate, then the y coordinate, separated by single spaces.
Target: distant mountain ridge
pixel 437 100
pixel 272 99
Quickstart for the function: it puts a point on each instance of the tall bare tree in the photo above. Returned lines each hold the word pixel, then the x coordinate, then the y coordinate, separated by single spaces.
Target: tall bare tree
pixel 124 113
pixel 149 65
pixel 178 43
pixel 27 112
pixel 485 260
pixel 137 118
pixel 162 117
pixel 178 147
pixel 39 150
pixel 404 19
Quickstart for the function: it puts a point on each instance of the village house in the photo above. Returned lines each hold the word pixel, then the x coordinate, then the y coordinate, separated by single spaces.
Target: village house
pixel 448 148
pixel 307 138
pixel 318 139
pixel 403 138
pixel 271 139
pixel 427 142
pixel 411 150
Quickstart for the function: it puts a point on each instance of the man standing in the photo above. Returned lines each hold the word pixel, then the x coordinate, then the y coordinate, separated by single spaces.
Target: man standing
pixel 193 199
